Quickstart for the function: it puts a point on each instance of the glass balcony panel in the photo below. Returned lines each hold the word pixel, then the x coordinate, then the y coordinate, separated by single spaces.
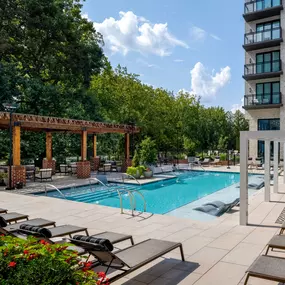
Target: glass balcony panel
pixel 259 5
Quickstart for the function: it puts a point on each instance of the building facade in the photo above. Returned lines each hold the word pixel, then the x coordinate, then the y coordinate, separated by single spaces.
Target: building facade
pixel 263 69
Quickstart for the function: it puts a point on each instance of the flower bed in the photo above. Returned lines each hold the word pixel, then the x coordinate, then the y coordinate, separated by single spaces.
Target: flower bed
pixel 26 262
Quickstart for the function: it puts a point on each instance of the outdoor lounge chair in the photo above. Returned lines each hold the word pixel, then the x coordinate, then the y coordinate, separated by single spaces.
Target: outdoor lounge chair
pixel 217 208
pixel 129 259
pixel 205 162
pixel 44 174
pixel 267 267
pixel 216 162
pixel 3 211
pixel 14 217
pixel 103 179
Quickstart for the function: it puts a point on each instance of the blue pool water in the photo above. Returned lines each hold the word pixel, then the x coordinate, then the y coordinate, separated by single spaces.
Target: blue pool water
pixel 161 197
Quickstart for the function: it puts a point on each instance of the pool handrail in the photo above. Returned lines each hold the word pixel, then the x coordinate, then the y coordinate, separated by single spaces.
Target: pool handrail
pixel 55 188
pixel 142 196
pixel 129 175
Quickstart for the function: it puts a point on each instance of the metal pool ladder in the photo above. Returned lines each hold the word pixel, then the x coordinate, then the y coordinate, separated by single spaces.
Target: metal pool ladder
pixel 132 199
pixel 55 188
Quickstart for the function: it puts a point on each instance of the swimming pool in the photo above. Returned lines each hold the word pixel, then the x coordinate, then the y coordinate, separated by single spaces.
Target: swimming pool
pixel 161 197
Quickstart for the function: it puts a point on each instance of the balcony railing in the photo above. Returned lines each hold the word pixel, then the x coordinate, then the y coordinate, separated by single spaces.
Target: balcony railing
pixel 266 35
pixel 259 5
pixel 263 68
pixel 260 9
pixel 261 100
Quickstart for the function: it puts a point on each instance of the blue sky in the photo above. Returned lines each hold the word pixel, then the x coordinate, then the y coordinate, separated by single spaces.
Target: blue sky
pixel 199 50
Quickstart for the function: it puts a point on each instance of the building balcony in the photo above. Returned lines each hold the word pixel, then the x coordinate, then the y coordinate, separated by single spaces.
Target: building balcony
pixel 262 39
pixel 262 101
pixel 259 9
pixel 263 70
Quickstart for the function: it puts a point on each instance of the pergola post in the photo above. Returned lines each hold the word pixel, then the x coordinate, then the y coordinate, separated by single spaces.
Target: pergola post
pixel 84 145
pixel 127 146
pixel 276 163
pixel 267 163
pixel 18 172
pixel 243 179
pixel 16 145
pixel 49 146
pixel 49 162
pixel 94 146
pixel 83 166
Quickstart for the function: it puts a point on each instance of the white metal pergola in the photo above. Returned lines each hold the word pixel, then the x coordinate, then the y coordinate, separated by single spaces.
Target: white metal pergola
pixel 277 137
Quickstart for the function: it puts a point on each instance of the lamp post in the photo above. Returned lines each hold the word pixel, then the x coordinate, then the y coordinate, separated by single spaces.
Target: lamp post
pixel 11 108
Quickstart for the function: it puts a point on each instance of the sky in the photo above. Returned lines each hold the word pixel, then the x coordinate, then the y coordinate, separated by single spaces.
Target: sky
pixel 195 45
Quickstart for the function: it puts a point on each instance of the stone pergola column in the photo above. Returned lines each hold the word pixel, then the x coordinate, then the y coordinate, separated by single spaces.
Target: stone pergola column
pixel 83 166
pixel 49 162
pixel 18 172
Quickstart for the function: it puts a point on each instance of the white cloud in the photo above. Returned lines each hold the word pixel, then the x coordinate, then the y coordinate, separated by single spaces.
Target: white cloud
pixel 206 84
pixel 238 107
pixel 178 60
pixel 133 33
pixel 215 37
pixel 200 35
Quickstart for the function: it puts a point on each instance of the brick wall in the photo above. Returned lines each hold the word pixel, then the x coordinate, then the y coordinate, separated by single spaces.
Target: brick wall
pixel 49 164
pixel 18 175
pixel 83 169
pixel 95 163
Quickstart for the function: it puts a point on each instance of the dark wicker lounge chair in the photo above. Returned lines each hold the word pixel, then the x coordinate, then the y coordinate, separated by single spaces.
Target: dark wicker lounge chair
pixel 14 217
pixel 3 211
pixel 129 259
pixel 267 267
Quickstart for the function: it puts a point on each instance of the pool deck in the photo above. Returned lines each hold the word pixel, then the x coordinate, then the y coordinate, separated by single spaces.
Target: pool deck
pixel 217 251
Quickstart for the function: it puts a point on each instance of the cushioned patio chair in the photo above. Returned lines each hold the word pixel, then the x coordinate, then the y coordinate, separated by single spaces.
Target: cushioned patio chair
pixel 268 268
pixel 14 217
pixel 38 222
pixel 44 174
pixel 64 169
pixel 216 161
pixel 129 259
pixel 102 178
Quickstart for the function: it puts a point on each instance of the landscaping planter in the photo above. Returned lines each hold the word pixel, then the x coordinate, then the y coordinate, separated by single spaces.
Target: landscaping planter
pixel 148 174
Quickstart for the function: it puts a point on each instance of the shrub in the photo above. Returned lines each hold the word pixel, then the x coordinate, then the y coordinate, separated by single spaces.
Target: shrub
pixel 223 156
pixel 141 169
pixel 136 159
pixel 148 153
pixel 132 171
pixel 26 262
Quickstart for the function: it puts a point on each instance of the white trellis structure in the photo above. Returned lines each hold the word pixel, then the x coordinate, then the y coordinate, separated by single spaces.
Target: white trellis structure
pixel 278 137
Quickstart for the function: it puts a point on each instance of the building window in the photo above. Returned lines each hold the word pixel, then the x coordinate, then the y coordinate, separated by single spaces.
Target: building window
pixel 268 93
pixel 264 4
pixel 268 31
pixel 267 125
pixel 268 62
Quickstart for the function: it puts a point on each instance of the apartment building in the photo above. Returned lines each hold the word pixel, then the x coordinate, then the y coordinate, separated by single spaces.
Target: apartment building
pixel 263 69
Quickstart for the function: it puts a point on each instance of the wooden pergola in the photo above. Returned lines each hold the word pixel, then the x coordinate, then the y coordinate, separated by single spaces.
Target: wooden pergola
pixel 50 125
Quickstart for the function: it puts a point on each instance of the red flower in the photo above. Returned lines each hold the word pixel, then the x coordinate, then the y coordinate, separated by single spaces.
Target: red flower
pixel 43 242
pixel 12 264
pixel 26 251
pixel 88 264
pixel 101 274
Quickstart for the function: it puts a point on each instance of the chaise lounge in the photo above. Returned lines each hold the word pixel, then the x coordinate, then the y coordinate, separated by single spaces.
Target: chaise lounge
pixel 126 260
